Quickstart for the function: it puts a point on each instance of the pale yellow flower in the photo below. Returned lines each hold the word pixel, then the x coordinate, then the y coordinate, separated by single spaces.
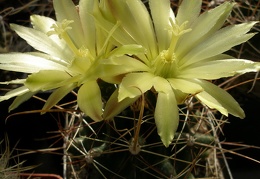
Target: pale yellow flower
pixel 182 54
pixel 69 52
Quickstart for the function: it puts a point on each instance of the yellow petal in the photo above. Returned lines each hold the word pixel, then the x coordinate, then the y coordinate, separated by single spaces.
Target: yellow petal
pixel 120 65
pixel 219 69
pixel 41 41
pixel 189 10
pixel 217 98
pixel 66 10
pixel 166 113
pixel 15 92
pixel 29 62
pixel 204 26
pixel 20 99
pixel 89 100
pixel 136 20
pixel 211 102
pixel 86 8
pixel 161 12
pixel 57 95
pixel 221 41
pixel 185 85
pixel 46 80
pixel 134 84
pixel 114 107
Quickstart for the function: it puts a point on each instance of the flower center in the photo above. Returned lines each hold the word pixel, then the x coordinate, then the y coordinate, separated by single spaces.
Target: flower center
pixel 82 57
pixel 165 64
pixel 167 57
pixel 82 62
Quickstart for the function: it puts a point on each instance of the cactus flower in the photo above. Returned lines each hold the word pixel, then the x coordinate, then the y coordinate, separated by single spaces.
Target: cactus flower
pixel 182 54
pixel 68 53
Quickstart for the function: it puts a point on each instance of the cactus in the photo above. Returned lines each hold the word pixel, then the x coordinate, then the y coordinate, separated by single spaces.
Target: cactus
pixel 146 105
pixel 108 149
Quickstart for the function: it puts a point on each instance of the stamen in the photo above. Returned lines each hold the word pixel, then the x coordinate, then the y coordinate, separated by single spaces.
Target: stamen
pixel 84 53
pixel 177 32
pixel 61 29
pixel 167 57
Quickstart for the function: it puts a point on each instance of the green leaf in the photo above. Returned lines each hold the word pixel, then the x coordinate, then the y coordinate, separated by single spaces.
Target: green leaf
pixel 134 84
pixel 89 100
pixel 222 97
pixel 221 41
pixel 114 107
pixel 46 80
pixel 218 69
pixel 166 111
pixel 27 63
pixel 57 95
